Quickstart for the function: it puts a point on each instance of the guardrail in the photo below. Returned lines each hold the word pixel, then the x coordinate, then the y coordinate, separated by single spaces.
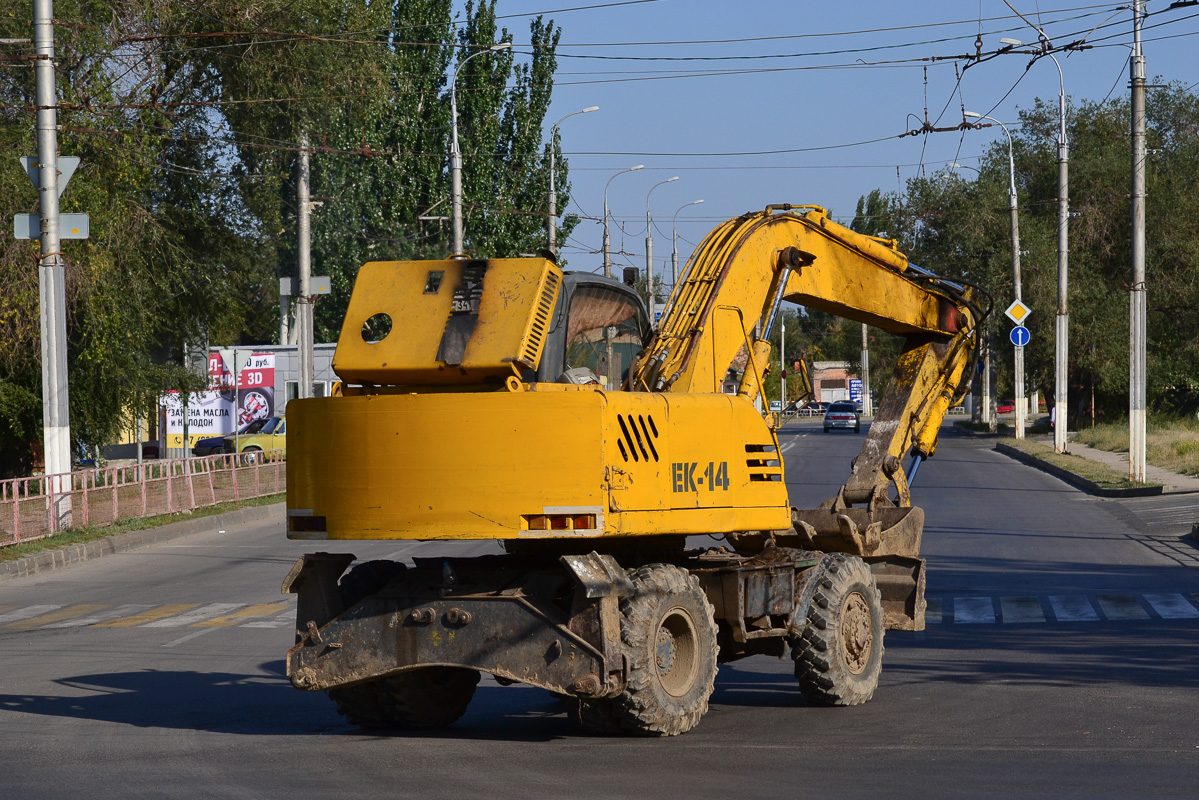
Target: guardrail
pixel 102 496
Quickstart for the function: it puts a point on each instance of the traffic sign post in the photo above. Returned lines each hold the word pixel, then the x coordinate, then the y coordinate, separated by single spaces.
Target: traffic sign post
pixel 1017 312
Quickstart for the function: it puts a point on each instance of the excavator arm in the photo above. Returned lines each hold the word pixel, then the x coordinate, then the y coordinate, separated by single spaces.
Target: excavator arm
pixel 728 302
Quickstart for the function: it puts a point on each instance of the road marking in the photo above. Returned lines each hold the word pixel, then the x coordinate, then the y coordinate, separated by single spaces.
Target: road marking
pixel 260 610
pixel 92 619
pixel 148 616
pixel 1021 610
pixel 54 616
pixel 26 612
pixel 1168 606
pixel 189 637
pixel 1121 607
pixel 932 614
pixel 191 617
pixel 1073 608
pixel 286 618
pixel 973 610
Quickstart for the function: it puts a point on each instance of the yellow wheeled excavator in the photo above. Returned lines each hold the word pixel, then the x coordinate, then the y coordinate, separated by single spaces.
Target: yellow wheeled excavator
pixel 508 400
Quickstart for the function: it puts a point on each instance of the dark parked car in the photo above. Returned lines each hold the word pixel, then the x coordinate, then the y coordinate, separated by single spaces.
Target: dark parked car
pixel 216 444
pixel 842 415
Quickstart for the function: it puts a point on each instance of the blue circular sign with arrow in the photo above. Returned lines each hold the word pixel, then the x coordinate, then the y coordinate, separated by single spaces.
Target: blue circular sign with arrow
pixel 1020 336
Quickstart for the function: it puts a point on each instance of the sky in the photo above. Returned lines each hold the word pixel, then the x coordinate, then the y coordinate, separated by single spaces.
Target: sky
pixel 758 102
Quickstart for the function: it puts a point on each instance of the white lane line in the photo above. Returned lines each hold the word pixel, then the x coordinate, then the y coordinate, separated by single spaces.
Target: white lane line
pixel 27 612
pixel 189 637
pixel 286 618
pixel 932 614
pixel 1018 610
pixel 1172 606
pixel 198 615
pixel 1118 607
pixel 973 611
pixel 1073 608
pixel 105 616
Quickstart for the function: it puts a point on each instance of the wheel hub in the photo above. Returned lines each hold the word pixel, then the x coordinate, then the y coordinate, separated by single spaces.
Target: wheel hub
pixel 856 632
pixel 676 652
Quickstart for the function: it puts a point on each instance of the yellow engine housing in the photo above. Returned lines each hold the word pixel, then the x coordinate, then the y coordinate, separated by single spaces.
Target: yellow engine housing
pixel 554 461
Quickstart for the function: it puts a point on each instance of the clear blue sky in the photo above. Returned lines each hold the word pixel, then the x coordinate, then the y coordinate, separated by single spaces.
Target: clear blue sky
pixel 806 75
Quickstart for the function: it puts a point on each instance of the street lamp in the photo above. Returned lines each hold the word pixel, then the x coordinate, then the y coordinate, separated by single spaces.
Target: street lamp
pixel 456 153
pixel 956 165
pixel 649 249
pixel 674 255
pixel 607 241
pixel 1021 412
pixel 552 224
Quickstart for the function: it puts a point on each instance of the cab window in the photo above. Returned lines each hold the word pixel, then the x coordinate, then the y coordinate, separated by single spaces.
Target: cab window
pixel 594 309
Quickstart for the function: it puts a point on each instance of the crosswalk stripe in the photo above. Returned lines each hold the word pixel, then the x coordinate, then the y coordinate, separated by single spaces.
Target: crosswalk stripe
pixel 191 617
pixel 54 616
pixel 973 610
pixel 1172 606
pixel 27 612
pixel 148 616
pixel 1021 610
pixel 103 616
pixel 1118 607
pixel 932 614
pixel 1073 608
pixel 249 612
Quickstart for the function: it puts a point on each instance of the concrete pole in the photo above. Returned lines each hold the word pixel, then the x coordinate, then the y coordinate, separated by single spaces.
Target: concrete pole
pixel 303 292
pixel 1062 342
pixel 649 252
pixel 1137 293
pixel 867 400
pixel 56 409
pixel 610 379
pixel 674 253
pixel 782 362
pixel 551 232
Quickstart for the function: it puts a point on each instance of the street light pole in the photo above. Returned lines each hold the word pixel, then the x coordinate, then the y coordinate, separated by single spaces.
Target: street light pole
pixel 552 222
pixel 1021 410
pixel 456 153
pixel 1061 345
pixel 674 253
pixel 609 354
pixel 649 250
pixel 1136 292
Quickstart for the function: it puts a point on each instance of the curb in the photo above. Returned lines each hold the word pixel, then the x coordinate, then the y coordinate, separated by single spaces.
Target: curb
pixel 1075 479
pixel 72 555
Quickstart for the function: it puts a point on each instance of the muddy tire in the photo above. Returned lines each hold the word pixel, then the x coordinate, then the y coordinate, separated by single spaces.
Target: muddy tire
pixel 839 655
pixel 430 697
pixel 668 635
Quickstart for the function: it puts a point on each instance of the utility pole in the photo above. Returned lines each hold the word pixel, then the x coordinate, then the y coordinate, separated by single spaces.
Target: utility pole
pixel 609 350
pixel 649 253
pixel 303 295
pixel 782 362
pixel 551 226
pixel 1062 343
pixel 1136 292
pixel 56 410
pixel 867 401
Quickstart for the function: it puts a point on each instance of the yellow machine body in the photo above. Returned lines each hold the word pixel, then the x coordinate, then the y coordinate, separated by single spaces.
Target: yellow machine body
pixel 560 461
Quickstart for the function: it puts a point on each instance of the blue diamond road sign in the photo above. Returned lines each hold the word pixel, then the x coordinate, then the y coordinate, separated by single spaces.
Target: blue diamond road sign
pixel 1020 336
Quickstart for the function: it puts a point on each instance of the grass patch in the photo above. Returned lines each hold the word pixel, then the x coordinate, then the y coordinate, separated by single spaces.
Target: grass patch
pixel 1094 471
pixel 81 535
pixel 1171 442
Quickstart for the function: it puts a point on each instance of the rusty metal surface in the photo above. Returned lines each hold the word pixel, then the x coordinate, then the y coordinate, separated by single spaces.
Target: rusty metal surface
pixel 599 575
pixel 883 531
pixel 900 580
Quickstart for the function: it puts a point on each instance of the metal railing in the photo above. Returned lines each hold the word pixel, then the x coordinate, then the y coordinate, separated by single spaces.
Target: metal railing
pixel 102 496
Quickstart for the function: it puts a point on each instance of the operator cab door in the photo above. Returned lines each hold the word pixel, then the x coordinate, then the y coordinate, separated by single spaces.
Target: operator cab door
pixel 588 307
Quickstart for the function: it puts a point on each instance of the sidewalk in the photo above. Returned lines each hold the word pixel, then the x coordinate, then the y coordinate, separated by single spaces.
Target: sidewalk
pixel 1172 482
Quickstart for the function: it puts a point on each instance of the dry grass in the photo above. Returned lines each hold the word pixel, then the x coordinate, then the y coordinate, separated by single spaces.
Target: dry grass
pixel 1172 443
pixel 1094 471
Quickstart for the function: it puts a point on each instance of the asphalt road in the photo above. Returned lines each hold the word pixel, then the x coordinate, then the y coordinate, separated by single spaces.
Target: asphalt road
pixel 1061 660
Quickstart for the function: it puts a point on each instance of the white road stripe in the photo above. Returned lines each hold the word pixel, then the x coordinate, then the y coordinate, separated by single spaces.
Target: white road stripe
pixel 196 615
pixel 1172 606
pixel 189 637
pixel 973 610
pixel 104 616
pixel 1021 610
pixel 27 612
pixel 286 618
pixel 1121 607
pixel 1073 608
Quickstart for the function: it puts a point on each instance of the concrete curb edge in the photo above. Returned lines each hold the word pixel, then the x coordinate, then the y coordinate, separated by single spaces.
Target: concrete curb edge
pixel 1073 478
pixel 72 555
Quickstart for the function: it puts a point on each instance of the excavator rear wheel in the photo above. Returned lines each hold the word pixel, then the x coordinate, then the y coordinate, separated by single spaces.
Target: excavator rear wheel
pixel 839 655
pixel 430 697
pixel 668 634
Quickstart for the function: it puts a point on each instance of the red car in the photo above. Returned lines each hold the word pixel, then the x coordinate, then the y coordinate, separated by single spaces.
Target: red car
pixel 1005 407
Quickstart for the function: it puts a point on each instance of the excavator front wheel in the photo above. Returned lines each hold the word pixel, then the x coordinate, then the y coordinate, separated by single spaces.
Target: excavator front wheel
pixel 668 633
pixel 839 655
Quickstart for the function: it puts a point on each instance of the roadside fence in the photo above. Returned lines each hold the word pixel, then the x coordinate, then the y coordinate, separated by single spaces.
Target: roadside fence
pixel 102 496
